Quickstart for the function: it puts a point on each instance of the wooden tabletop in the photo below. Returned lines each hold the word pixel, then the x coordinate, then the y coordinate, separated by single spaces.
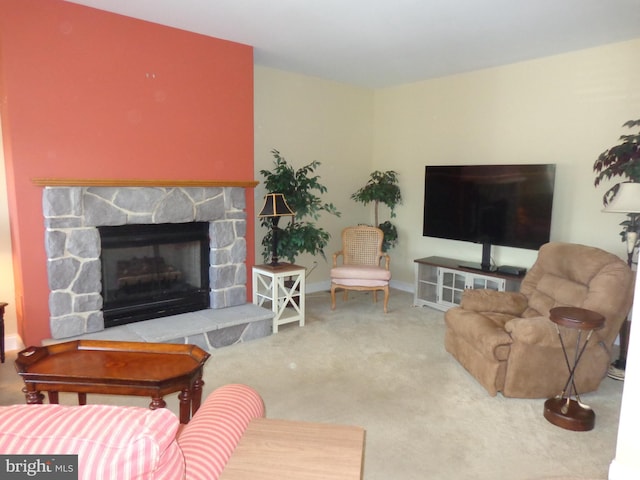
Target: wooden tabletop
pixel 289 450
pixel 575 317
pixel 115 368
pixel 281 267
pixel 93 360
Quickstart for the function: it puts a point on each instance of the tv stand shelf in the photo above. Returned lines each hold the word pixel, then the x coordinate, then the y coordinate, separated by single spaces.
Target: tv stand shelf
pixel 440 281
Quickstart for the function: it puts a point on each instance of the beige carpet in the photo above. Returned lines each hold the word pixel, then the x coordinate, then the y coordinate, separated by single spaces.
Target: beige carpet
pixel 425 417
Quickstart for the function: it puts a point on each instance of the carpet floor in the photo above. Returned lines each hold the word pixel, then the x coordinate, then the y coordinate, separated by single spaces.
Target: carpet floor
pixel 425 416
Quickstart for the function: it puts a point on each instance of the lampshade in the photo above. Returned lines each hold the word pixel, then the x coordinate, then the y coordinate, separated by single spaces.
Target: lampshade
pixel 275 205
pixel 627 200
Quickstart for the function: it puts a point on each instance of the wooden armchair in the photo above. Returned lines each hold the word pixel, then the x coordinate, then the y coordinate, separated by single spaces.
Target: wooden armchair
pixel 361 264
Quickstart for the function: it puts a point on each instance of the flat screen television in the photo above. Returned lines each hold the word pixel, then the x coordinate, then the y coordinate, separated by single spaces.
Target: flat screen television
pixel 508 205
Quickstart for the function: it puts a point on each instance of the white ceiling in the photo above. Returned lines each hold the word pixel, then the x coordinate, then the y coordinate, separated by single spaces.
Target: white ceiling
pixel 379 43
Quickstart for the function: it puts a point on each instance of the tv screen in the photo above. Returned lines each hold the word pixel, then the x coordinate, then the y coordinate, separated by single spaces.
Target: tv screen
pixel 508 205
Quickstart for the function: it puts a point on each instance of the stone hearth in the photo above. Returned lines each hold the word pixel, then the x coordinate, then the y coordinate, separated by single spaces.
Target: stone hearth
pixel 72 215
pixel 209 329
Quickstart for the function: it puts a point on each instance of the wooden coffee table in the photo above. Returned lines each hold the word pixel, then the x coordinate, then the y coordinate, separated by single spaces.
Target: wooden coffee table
pixel 118 368
pixel 290 450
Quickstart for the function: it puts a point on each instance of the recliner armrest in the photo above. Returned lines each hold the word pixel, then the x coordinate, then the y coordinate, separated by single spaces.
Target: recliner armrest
pixel 539 331
pixel 510 303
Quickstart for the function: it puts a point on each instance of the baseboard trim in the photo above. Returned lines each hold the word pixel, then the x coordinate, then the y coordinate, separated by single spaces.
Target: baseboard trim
pixel 13 342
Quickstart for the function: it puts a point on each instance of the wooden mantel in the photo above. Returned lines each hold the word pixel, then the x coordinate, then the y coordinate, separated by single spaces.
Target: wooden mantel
pixel 104 182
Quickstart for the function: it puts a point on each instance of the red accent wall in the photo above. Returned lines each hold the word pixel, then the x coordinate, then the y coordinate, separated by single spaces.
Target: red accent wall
pixel 89 94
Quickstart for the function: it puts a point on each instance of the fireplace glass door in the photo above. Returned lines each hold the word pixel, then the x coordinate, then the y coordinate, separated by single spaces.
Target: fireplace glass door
pixel 152 271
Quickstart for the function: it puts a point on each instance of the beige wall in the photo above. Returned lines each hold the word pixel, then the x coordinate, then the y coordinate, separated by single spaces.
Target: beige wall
pixel 309 119
pixel 564 109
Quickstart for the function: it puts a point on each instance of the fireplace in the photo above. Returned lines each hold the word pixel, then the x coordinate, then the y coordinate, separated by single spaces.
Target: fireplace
pixel 153 271
pixel 74 216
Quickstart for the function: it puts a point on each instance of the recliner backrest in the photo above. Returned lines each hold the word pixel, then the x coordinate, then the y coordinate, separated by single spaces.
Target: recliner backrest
pixel 580 276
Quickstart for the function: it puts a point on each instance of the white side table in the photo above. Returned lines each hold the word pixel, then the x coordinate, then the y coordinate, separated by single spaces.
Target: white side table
pixel 270 285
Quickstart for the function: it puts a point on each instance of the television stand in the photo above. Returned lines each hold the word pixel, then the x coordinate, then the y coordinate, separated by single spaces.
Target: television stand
pixel 440 281
pixel 477 267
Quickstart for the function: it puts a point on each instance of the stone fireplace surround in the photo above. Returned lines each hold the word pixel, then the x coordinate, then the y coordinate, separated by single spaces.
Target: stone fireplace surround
pixel 72 215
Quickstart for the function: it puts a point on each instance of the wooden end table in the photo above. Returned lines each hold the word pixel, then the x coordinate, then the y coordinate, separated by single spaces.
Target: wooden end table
pixel 562 410
pixel 117 368
pixel 289 450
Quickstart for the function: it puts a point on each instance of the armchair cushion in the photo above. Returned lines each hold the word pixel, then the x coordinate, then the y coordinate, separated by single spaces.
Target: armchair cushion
pixel 360 275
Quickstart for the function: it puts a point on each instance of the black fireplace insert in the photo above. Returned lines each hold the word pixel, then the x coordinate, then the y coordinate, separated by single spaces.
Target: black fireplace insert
pixel 154 270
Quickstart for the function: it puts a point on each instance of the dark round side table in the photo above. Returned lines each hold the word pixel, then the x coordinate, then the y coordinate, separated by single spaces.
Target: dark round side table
pixel 563 410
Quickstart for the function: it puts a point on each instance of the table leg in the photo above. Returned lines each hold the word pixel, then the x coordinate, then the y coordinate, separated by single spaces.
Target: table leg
pixel 562 410
pixel 185 405
pixel 33 397
pixel 196 397
pixel 82 398
pixel 157 402
pixel 53 397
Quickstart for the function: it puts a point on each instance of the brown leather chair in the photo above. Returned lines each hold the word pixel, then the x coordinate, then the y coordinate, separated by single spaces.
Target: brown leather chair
pixel 506 340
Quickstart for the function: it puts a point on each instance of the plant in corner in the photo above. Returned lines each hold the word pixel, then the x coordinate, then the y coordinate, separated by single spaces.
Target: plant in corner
pixel 622 160
pixel 382 187
pixel 302 190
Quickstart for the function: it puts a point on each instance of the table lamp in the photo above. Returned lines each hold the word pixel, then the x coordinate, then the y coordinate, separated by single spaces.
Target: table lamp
pixel 275 206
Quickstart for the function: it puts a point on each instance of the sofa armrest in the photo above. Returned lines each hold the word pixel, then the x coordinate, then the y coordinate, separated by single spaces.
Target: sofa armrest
pixel 510 303
pixel 211 436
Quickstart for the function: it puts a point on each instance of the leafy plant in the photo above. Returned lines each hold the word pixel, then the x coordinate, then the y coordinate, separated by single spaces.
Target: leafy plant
pixel 382 187
pixel 302 190
pixel 390 235
pixel 622 160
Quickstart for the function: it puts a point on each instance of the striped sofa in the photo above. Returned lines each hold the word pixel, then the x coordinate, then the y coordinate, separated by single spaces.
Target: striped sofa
pixel 115 442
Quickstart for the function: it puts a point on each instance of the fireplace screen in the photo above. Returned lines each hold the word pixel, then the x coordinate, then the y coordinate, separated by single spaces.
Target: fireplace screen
pixel 152 271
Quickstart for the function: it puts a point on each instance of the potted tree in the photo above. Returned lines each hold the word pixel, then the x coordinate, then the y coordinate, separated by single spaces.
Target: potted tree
pixel 302 190
pixel 382 187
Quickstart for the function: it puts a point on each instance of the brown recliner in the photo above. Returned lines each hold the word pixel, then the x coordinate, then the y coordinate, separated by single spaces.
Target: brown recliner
pixel 506 340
